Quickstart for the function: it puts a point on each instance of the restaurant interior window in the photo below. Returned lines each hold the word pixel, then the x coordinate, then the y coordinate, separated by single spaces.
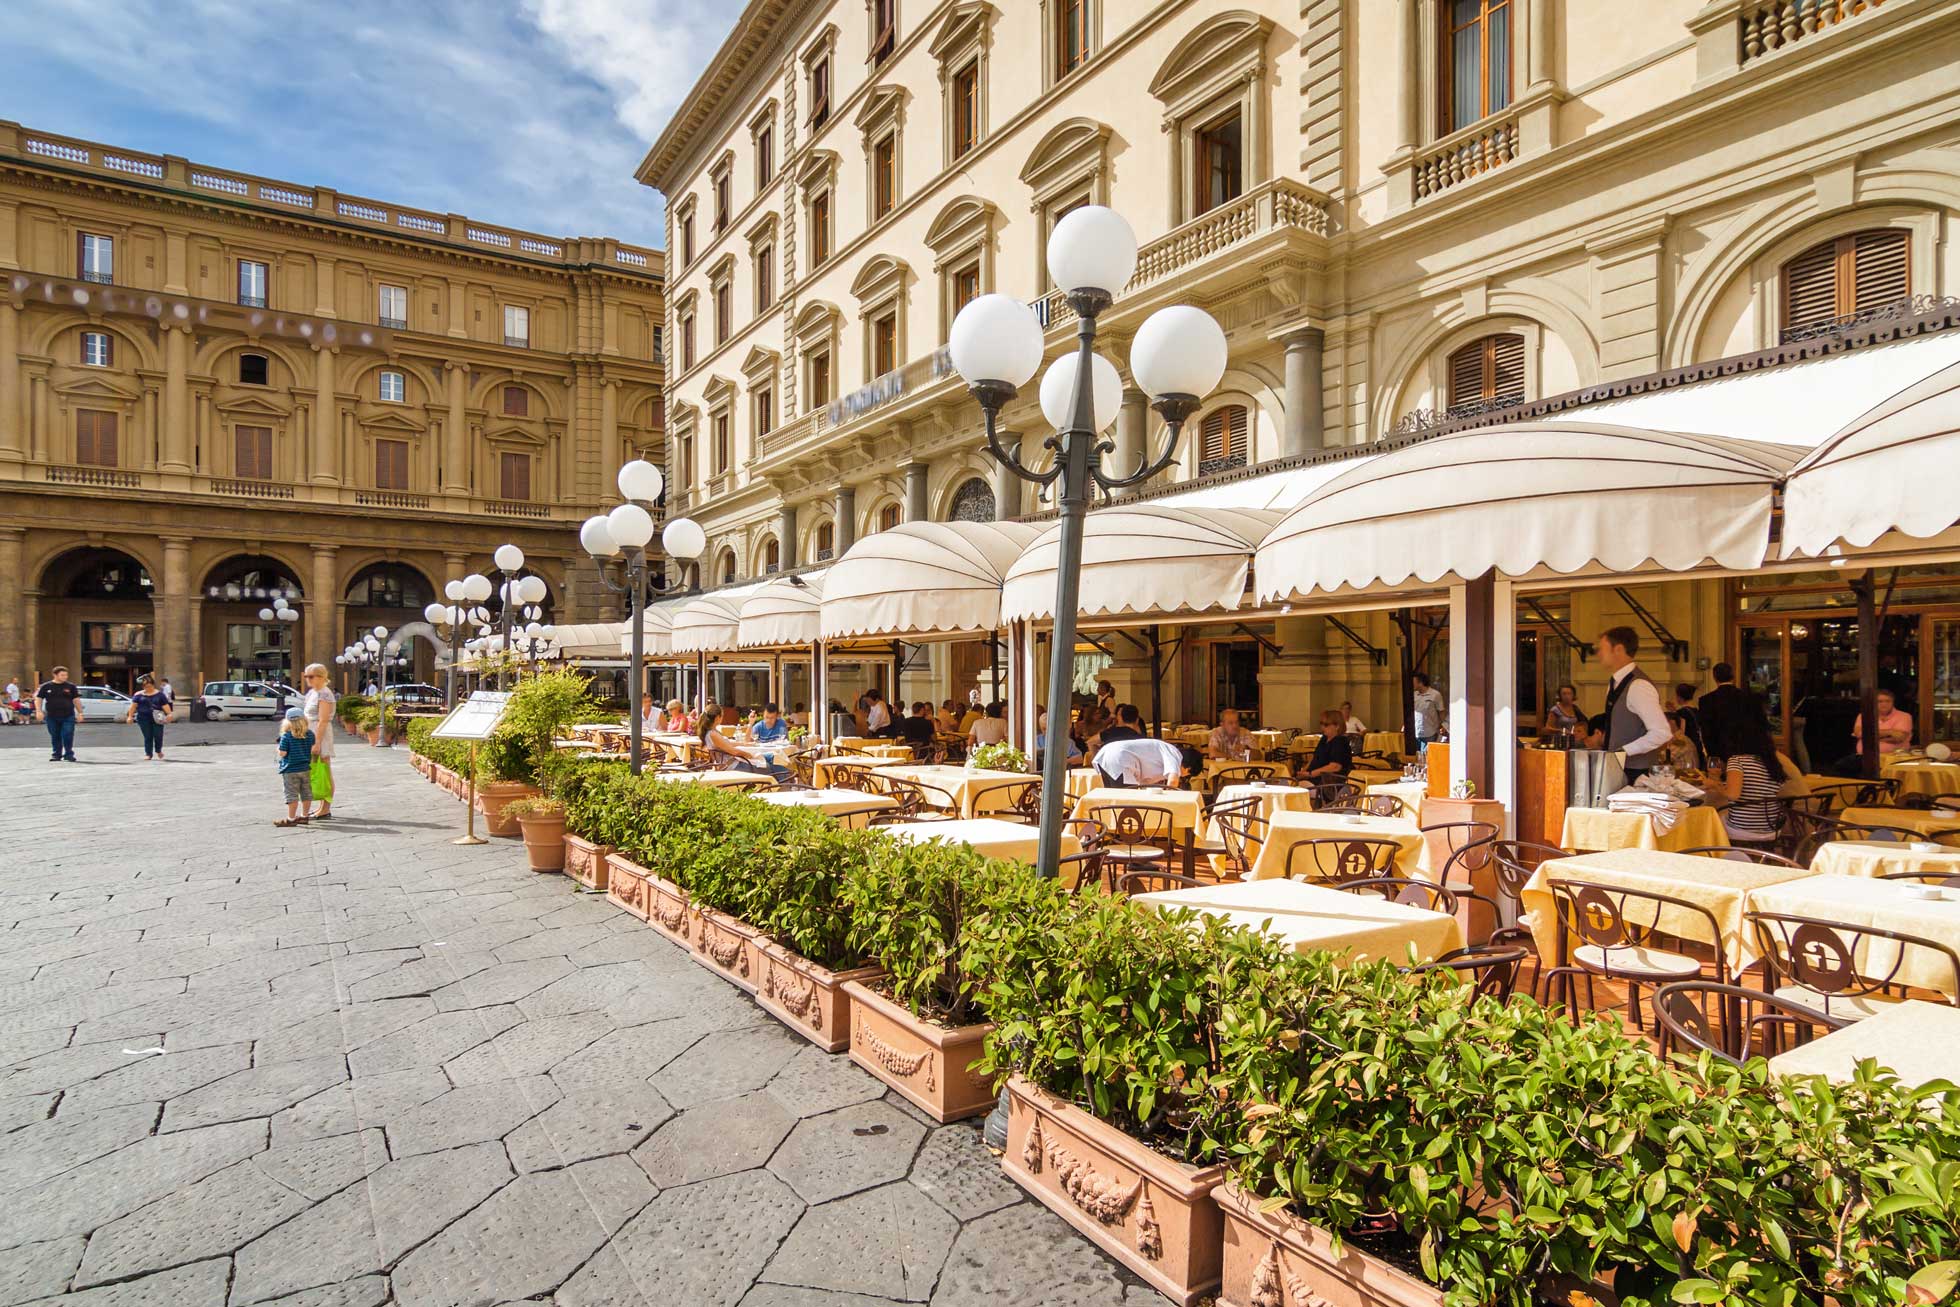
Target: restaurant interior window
pixel 514 476
pixel 820 387
pixel 772 557
pixel 394 306
pixel 391 464
pixel 1220 162
pixel 765 410
pixel 252 453
pixel 253 370
pixel 517 402
pixel 98 349
pixel 765 157
pixel 1487 372
pixel 1223 437
pixel 966 285
pixel 251 283
pixel 517 326
pixel 392 388
pixel 728 567
pixel 884 344
pixel 884 175
pixel 95 257
pixel 826 540
pixel 724 312
pixel 884 30
pixel 819 92
pixel 966 108
pixel 1476 61
pixel 888 517
pixel 1071 35
pixel 765 278
pixel 1852 274
pixel 820 229
pixel 95 437
pixel 687 340
pixel 724 446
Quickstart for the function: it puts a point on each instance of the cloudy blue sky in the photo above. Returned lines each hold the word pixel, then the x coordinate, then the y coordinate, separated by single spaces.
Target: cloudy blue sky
pixel 528 113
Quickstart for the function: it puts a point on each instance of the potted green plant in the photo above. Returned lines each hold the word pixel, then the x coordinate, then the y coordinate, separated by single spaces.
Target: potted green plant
pixel 542 821
pixel 539 709
pixel 999 756
pixel 806 952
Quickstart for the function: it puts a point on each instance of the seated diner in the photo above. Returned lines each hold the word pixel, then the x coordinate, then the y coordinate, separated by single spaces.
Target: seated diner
pixel 1230 742
pixel 1333 757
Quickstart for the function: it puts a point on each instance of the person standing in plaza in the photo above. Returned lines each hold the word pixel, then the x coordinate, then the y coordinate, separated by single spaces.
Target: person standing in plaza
pixel 318 709
pixel 296 768
pixel 169 694
pixel 1634 722
pixel 150 710
pixel 58 703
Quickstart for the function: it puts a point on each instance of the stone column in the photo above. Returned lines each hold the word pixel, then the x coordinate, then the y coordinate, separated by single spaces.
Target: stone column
pixel 456 435
pixel 173 614
pixel 14 652
pixel 1538 32
pixel 786 535
pixel 176 263
pixel 1132 434
pixel 13 445
pixel 1305 414
pixel 846 519
pixel 1007 486
pixel 916 507
pixel 323 625
pixel 326 420
pixel 454 568
pixel 176 400
pixel 323 270
pixel 610 454
pixel 1408 87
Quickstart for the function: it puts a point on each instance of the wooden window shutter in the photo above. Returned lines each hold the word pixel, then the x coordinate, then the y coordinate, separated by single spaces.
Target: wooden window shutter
pixel 1507 368
pixel 1487 370
pixel 391 464
pixel 1224 438
pixel 253 453
pixel 1880 268
pixel 517 402
pixel 95 437
pixel 515 481
pixel 1810 286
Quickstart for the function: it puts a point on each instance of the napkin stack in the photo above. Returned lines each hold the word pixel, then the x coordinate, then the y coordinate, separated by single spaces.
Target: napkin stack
pixel 1663 810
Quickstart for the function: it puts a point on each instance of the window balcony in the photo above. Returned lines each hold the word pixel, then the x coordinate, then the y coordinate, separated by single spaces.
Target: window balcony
pixel 252 301
pixel 1467 154
pixel 100 278
pixel 518 342
pixel 397 324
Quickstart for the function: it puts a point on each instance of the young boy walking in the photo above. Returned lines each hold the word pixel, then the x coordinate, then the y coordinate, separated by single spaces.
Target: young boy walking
pixel 296 768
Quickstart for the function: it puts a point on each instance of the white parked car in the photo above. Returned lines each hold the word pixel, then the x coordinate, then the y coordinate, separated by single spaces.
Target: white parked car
pixel 101 704
pixel 226 699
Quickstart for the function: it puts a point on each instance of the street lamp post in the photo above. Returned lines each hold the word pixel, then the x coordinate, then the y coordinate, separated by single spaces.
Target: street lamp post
pixel 1177 358
pixel 516 591
pixel 628 529
pixel 285 615
pixel 463 594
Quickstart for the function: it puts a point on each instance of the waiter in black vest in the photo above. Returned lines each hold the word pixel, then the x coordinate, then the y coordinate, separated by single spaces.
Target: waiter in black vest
pixel 1633 721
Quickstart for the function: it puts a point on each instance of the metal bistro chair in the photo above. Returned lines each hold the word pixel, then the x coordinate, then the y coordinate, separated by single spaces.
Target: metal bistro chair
pixel 1019 801
pixel 1833 968
pixel 1385 805
pixel 1400 889
pixel 1748 853
pixel 1136 836
pixel 1619 928
pixel 802 764
pixel 852 776
pixel 1820 831
pixel 1086 867
pixel 1751 1023
pixel 1330 861
pixel 1336 796
pixel 915 801
pixel 1493 969
pixel 1241 773
pixel 1154 880
pixel 1241 832
pixel 1945 880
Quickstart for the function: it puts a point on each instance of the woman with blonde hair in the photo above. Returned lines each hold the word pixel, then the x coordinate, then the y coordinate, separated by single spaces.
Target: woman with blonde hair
pixel 318 709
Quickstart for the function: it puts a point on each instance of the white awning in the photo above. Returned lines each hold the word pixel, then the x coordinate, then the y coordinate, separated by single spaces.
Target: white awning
pixel 1527 496
pixel 785 611
pixel 1894 468
pixel 587 640
pixel 922 578
pixel 1152 557
pixel 657 624
pixel 708 623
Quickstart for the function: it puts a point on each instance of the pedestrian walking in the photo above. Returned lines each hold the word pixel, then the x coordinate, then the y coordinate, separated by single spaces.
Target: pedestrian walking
pixel 168 693
pixel 150 710
pixel 318 709
pixel 296 768
pixel 59 704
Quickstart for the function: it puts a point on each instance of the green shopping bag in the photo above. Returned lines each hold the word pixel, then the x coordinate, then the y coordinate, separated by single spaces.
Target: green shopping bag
pixel 322 782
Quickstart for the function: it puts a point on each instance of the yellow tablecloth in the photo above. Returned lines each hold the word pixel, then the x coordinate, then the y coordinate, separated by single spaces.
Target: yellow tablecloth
pixel 1924 777
pixel 974 792
pixel 1410 792
pixel 1925 821
pixel 821 771
pixel 1303 743
pixel 1195 736
pixel 988 835
pixel 1081 780
pixel 1721 886
pixel 1215 765
pixel 1920 1041
pixel 1290 828
pixel 727 780
pixel 1185 806
pixel 851 805
pixel 1268 739
pixel 1882 858
pixel 1600 829
pixel 1388 742
pixel 1886 904
pixel 1366 776
pixel 1313 917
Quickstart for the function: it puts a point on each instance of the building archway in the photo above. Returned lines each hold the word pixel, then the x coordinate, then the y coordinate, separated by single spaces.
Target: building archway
pixel 389 594
pixel 236 590
pixel 97 618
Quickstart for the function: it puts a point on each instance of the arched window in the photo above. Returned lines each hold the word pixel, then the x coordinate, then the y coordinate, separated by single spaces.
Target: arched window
pixel 727 566
pixel 826 539
pixel 772 557
pixel 1850 275
pixel 253 370
pixel 388 585
pixel 972 502
pixel 102 574
pixel 888 517
pixel 1487 373
pixel 1225 434
pixel 251 579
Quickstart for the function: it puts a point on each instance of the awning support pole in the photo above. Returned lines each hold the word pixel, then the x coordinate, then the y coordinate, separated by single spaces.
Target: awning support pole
pixel 1865 587
pixel 1156 679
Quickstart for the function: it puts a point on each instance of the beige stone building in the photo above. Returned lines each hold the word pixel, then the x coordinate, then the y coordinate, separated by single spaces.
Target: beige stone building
pixel 215 386
pixel 1401 211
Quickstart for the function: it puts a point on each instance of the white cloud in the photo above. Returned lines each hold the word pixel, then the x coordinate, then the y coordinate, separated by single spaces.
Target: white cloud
pixel 647 55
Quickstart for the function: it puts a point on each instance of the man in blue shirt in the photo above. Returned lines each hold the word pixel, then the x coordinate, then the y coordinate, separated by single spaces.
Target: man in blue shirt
pixel 771 728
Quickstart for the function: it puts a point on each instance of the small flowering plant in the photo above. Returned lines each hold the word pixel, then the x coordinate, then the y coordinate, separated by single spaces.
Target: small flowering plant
pixel 998 757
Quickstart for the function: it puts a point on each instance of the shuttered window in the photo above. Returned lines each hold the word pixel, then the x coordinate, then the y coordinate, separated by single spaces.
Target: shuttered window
pixel 1223 434
pixel 517 402
pixel 514 479
pixel 252 453
pixel 1487 371
pixel 888 517
pixel 391 465
pixel 95 437
pixel 1852 274
pixel 98 349
pixel 772 557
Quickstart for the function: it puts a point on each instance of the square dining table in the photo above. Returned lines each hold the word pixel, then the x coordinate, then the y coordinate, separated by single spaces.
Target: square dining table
pixel 1315 918
pixel 823 774
pixel 1894 905
pixel 972 791
pixel 1885 858
pixel 1919 821
pixel 1186 807
pixel 1600 829
pixel 987 835
pixel 720 779
pixel 852 808
pixel 1287 828
pixel 1920 1041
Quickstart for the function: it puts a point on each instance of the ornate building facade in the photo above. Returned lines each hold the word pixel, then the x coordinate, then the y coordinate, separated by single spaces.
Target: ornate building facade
pixel 1401 212
pixel 215 387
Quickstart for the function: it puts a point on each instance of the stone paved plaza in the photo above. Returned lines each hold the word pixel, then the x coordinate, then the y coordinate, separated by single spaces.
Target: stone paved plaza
pixel 353 1064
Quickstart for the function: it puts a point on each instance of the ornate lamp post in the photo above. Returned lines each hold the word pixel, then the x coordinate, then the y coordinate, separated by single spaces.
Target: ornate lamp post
pixel 1177 358
pixel 515 590
pixel 628 529
pixel 283 614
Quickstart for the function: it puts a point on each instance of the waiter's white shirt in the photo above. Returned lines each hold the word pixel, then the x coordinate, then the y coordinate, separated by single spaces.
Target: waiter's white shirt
pixel 1644 699
pixel 877 717
pixel 1141 762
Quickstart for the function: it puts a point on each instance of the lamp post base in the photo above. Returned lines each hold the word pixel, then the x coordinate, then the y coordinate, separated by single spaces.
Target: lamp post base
pixel 469 839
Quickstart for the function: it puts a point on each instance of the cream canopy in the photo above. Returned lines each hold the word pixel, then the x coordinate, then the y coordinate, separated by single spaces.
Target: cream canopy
pixel 587 640
pixel 1143 558
pixel 785 611
pixel 708 623
pixel 1894 468
pixel 657 623
pixel 1529 495
pixel 922 578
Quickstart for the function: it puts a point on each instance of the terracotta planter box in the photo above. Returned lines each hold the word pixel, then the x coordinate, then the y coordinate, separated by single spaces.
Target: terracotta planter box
pixel 492 797
pixel 626 884
pixel 1150 1212
pixel 926 1063
pixel 806 997
pixel 1272 1259
pixel 668 910
pixel 726 946
pixel 588 863
pixel 544 841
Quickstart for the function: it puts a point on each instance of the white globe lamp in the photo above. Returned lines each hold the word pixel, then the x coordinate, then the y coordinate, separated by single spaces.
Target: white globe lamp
pixel 996 338
pixel 1058 391
pixel 476 587
pixel 596 539
pixel 453 591
pixel 532 590
pixel 630 526
pixel 265 614
pixel 640 479
pixel 683 538
pixel 1178 351
pixel 509 558
pixel 434 614
pixel 1092 249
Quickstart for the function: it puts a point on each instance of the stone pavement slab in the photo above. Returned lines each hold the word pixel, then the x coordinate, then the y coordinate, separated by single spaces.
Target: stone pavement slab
pixel 354 1065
